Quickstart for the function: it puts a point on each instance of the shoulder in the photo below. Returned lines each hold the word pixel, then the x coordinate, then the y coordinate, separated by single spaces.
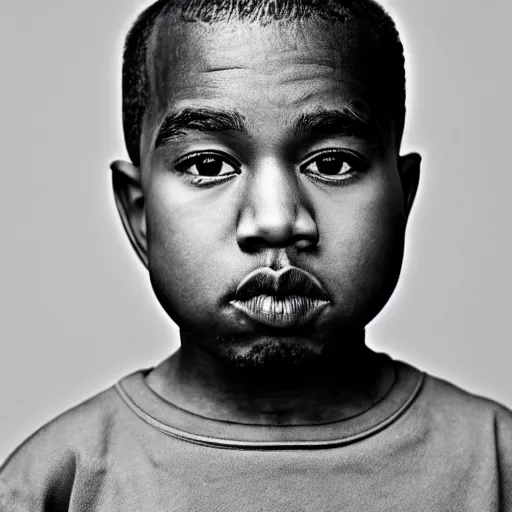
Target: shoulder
pixel 464 415
pixel 452 401
pixel 45 464
pixel 77 427
pixel 479 428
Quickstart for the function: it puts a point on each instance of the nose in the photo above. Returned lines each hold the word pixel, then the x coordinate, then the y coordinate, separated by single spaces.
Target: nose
pixel 275 213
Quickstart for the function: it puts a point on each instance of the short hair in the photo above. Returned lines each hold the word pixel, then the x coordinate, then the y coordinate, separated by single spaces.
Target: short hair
pixel 135 81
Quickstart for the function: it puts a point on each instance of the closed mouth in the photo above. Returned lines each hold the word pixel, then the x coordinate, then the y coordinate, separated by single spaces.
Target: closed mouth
pixel 290 297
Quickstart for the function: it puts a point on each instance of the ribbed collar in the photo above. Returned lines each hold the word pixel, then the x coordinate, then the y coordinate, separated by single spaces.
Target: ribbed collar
pixel 181 424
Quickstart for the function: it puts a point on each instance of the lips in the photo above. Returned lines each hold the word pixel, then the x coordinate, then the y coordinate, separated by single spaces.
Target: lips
pixel 290 297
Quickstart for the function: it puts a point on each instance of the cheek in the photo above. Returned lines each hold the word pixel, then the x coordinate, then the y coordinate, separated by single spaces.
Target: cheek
pixel 188 237
pixel 362 235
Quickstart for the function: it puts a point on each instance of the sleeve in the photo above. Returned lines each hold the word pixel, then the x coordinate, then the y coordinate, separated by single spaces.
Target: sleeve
pixel 38 476
pixel 503 430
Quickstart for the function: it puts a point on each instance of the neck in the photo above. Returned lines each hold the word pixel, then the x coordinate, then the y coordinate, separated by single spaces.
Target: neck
pixel 332 387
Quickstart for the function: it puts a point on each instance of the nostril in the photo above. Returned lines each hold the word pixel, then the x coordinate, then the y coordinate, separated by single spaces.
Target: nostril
pixel 305 243
pixel 252 243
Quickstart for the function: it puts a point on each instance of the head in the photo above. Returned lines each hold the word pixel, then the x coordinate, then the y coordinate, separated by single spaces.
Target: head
pixel 265 135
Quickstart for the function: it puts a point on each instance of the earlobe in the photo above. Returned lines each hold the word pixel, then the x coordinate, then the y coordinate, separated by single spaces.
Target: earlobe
pixel 409 170
pixel 129 198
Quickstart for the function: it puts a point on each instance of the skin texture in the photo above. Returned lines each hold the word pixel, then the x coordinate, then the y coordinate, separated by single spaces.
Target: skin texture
pixel 271 207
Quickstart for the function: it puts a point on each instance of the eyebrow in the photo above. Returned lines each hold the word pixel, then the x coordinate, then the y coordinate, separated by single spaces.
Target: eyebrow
pixel 201 120
pixel 345 122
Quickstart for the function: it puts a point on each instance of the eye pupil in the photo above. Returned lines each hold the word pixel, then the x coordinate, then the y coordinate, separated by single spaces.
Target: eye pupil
pixel 329 165
pixel 209 166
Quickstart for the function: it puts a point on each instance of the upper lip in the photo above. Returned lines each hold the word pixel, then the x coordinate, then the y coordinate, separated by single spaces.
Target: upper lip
pixel 288 281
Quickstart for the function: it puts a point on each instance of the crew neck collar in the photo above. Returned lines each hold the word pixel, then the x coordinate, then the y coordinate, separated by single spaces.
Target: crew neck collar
pixel 187 426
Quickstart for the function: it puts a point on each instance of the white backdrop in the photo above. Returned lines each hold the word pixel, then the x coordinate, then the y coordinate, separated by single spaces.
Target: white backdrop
pixel 77 309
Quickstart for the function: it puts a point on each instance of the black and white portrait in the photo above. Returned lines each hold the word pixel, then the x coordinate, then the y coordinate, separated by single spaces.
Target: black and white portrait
pixel 256 256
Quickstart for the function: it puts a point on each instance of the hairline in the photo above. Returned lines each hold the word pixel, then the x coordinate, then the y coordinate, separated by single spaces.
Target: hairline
pixel 177 15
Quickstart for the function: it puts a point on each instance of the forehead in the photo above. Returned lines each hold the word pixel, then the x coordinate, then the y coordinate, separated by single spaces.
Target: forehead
pixel 281 69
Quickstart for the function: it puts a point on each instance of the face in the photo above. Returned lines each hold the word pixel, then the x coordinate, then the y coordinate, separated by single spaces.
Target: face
pixel 273 196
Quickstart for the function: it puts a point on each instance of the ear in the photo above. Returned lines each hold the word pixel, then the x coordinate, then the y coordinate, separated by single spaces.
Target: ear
pixel 126 182
pixel 409 171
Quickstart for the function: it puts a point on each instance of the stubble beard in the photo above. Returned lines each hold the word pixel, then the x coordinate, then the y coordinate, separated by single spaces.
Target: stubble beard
pixel 273 361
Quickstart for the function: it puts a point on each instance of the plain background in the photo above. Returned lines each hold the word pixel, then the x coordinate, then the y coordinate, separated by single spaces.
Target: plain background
pixel 77 309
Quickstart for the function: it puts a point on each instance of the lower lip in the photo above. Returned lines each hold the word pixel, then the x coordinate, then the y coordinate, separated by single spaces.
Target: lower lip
pixel 282 312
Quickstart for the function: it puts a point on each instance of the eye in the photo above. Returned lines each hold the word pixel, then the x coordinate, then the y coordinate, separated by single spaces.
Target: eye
pixel 330 165
pixel 208 165
pixel 334 166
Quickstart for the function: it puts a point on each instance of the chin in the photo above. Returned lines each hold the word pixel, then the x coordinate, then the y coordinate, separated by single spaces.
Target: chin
pixel 272 354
